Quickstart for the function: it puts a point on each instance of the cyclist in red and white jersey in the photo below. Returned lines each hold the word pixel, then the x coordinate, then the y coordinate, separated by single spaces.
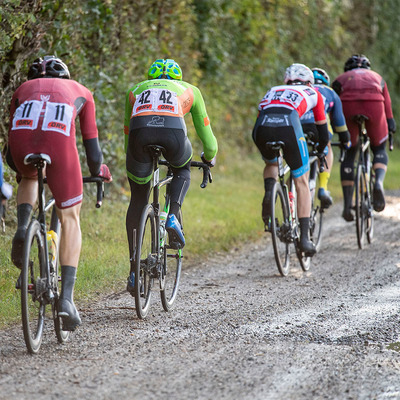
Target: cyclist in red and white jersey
pixel 279 119
pixel 42 120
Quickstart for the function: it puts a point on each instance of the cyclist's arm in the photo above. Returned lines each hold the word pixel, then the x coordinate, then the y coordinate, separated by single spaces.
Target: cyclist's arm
pixel 321 123
pixel 202 124
pixel 388 109
pixel 90 137
pixel 94 156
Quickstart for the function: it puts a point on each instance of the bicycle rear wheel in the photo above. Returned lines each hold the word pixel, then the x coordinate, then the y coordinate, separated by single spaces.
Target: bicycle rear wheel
pixel 305 262
pixel 361 206
pixel 280 227
pixel 145 261
pixel 171 273
pixel 33 287
pixel 316 219
pixel 55 225
pixel 370 218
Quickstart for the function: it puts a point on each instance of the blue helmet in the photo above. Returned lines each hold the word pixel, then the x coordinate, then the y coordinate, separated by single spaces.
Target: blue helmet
pixel 320 76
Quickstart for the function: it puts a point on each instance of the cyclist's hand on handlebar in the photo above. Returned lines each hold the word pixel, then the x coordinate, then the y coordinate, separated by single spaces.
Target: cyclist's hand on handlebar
pixel 345 141
pixel 208 162
pixel 105 173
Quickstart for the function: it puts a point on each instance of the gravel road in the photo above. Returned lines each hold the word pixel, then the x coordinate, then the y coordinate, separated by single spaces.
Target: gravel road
pixel 239 331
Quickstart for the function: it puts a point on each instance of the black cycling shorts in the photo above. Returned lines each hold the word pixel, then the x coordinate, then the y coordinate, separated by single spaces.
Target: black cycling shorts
pixel 282 124
pixel 177 147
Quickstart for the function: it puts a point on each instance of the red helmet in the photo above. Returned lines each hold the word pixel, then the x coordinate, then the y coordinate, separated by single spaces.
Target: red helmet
pixel 50 67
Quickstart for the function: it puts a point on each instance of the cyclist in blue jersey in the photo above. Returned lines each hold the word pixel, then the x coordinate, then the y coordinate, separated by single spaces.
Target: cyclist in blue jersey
pixel 334 114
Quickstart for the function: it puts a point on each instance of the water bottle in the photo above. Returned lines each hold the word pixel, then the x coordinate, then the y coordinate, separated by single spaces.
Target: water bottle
pixel 52 244
pixel 163 220
pixel 291 204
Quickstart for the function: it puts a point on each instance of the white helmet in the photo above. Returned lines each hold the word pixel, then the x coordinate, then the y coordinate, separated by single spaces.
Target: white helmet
pixel 299 73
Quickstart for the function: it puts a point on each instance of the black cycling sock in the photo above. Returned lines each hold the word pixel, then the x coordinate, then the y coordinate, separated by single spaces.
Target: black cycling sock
pixel 23 215
pixel 174 208
pixel 379 176
pixel 268 182
pixel 304 227
pixel 68 278
pixel 348 196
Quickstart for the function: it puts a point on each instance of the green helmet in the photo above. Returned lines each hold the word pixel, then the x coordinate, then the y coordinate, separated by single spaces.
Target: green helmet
pixel 165 69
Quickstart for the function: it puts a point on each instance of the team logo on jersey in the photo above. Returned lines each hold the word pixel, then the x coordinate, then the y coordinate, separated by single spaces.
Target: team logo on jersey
pixel 166 107
pixel 156 121
pixel 45 97
pixel 57 125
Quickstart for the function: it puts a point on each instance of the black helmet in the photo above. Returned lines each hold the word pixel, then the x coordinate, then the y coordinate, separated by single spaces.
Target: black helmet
pixel 49 67
pixel 357 61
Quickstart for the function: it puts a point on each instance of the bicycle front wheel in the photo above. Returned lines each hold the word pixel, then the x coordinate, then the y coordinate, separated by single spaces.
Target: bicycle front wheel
pixel 33 287
pixel 280 227
pixel 145 261
pixel 171 274
pixel 361 206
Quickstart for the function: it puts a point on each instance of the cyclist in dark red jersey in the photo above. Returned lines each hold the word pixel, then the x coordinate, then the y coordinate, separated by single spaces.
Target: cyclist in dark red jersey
pixel 363 91
pixel 42 120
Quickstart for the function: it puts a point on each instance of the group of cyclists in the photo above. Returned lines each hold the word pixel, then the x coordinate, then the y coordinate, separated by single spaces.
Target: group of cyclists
pixel 305 103
pixel 42 120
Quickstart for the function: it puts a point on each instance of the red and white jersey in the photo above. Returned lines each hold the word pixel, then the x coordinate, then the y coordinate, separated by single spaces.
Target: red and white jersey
pixel 51 105
pixel 301 98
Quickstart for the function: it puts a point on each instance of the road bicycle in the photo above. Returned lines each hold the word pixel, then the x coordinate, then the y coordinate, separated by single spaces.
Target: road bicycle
pixel 153 259
pixel 39 281
pixel 283 222
pixel 364 183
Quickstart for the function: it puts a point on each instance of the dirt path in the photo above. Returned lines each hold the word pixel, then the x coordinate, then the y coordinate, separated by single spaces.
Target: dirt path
pixel 239 331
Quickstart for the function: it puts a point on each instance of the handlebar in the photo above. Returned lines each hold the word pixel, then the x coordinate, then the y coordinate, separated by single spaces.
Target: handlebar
pixel 207 177
pixel 100 187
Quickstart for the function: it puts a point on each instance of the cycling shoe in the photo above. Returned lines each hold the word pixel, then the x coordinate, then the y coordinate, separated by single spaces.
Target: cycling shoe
pixel 69 315
pixel 18 247
pixel 348 215
pixel 307 247
pixel 378 198
pixel 175 233
pixel 325 197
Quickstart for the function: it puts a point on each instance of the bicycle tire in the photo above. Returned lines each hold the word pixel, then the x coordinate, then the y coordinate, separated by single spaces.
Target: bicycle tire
pixel 370 218
pixel 316 220
pixel 171 271
pixel 305 262
pixel 280 228
pixel 145 261
pixel 33 287
pixel 361 206
pixel 62 336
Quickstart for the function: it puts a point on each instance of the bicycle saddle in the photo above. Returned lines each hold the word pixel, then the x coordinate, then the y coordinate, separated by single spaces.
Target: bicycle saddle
pixel 33 158
pixel 275 146
pixel 359 118
pixel 154 149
